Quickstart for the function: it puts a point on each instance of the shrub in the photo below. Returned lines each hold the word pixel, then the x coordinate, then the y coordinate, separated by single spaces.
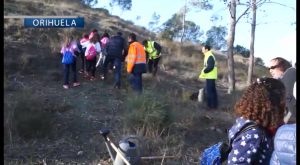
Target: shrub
pixel 147 115
pixel 29 117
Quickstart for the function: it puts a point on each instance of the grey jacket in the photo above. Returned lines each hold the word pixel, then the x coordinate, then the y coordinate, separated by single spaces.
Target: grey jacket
pixel 284 146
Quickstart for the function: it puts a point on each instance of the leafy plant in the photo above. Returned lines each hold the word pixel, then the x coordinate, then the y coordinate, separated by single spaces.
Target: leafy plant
pixel 147 115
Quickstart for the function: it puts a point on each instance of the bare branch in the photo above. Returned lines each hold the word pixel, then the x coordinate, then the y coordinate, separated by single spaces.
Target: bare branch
pixel 243 4
pixel 245 12
pixel 277 3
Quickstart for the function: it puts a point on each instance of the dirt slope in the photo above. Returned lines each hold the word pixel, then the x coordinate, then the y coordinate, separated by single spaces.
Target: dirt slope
pixel 46 124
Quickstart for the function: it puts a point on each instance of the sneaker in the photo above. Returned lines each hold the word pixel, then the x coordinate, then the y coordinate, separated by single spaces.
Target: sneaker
pixel 86 75
pixel 81 71
pixel 75 84
pixel 102 77
pixel 92 78
pixel 66 86
pixel 116 87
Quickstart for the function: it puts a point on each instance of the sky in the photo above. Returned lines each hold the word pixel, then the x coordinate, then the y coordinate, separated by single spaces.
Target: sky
pixel 275 35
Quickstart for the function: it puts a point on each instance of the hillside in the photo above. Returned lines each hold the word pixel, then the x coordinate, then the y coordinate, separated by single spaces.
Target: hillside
pixel 45 124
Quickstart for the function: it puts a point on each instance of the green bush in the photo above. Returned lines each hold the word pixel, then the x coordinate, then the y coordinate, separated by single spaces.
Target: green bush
pixel 147 114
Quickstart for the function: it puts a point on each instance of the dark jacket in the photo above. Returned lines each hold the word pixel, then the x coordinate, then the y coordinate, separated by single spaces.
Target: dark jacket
pixel 254 146
pixel 210 64
pixel 115 47
pixel 157 47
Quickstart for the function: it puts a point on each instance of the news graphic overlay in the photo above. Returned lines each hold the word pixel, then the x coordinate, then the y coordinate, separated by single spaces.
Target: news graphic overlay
pixel 51 21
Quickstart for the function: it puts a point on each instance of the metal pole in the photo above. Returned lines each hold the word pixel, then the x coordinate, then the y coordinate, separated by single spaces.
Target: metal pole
pixel 109 151
pixel 118 151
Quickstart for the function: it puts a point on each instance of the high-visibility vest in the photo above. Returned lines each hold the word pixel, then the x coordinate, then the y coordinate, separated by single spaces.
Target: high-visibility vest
pixel 136 55
pixel 151 50
pixel 213 74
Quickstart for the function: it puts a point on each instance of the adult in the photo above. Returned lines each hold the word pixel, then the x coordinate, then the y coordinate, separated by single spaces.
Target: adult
pixel 262 104
pixel 136 63
pixel 114 49
pixel 285 143
pixel 210 73
pixel 281 69
pixel 153 50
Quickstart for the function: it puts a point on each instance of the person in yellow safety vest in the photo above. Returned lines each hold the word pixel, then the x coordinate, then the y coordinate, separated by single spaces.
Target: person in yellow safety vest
pixel 210 73
pixel 153 50
pixel 136 63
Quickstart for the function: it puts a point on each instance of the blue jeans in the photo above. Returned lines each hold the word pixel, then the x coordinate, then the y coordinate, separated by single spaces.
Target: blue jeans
pixel 211 92
pixel 66 72
pixel 135 79
pixel 117 70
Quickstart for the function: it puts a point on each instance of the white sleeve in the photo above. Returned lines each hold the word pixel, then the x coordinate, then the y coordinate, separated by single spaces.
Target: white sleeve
pixel 97 46
pixel 85 44
pixel 87 48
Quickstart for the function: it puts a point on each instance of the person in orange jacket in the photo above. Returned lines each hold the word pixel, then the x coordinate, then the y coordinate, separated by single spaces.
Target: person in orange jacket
pixel 136 63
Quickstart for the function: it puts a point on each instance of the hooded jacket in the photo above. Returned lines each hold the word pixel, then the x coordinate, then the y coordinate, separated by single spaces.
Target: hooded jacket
pixel 254 146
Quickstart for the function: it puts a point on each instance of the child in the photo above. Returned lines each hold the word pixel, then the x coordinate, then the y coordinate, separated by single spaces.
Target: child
pixel 91 62
pixel 69 60
pixel 83 42
pixel 263 104
pixel 104 39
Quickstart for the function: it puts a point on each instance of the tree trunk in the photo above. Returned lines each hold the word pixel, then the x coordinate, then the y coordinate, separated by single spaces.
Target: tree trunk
pixel 183 23
pixel 230 42
pixel 251 58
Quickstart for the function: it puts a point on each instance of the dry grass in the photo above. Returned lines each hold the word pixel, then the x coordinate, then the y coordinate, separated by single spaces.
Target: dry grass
pixel 36 107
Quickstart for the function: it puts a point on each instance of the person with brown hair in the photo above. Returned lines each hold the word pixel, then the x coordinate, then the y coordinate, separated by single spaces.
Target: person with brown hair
pixel 262 104
pixel 278 66
pixel 91 56
pixel 282 69
pixel 136 63
pixel 69 61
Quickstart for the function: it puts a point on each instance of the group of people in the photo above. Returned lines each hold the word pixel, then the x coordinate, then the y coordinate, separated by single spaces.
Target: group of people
pixel 268 103
pixel 109 53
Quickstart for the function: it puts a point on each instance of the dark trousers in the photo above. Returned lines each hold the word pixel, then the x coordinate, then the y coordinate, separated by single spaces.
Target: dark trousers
pixel 135 79
pixel 117 64
pixel 154 64
pixel 91 66
pixel 211 93
pixel 82 58
pixel 67 71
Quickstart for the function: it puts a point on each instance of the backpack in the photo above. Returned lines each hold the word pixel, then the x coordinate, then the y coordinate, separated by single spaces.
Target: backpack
pixel 92 53
pixel 219 152
pixel 68 57
pixel 104 42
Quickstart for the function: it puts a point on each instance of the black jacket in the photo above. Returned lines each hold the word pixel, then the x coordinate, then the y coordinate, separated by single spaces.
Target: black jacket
pixel 157 47
pixel 115 47
pixel 210 64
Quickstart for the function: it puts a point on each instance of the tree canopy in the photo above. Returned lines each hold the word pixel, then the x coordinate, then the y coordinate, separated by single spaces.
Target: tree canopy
pixel 216 37
pixel 172 28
